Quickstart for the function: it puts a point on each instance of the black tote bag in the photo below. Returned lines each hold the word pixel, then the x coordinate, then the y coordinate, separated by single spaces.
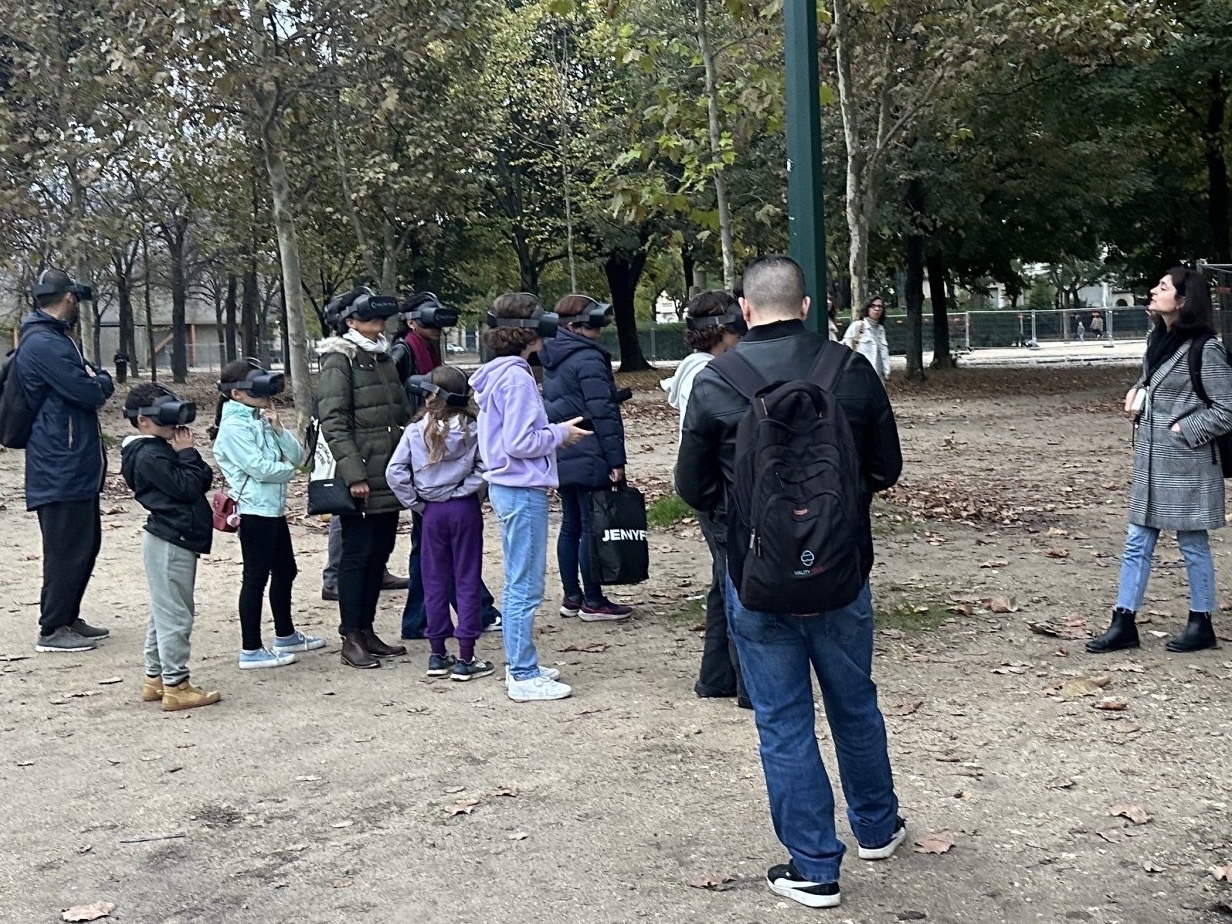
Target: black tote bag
pixel 327 493
pixel 619 548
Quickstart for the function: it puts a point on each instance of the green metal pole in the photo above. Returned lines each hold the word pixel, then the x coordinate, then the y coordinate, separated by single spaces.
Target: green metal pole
pixel 805 203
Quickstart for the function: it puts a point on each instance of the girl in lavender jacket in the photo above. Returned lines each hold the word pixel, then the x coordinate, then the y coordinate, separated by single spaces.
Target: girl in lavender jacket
pixel 437 472
pixel 519 446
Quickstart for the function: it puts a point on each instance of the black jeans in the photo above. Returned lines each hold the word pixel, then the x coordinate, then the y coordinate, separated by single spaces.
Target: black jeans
pixel 265 543
pixel 72 535
pixel 367 541
pixel 720 673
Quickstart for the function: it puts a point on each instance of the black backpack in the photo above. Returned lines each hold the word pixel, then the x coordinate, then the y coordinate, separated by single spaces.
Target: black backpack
pixel 797 488
pixel 1224 442
pixel 16 413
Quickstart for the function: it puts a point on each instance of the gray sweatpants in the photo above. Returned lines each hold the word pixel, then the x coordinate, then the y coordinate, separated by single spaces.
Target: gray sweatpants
pixel 171 573
pixel 329 574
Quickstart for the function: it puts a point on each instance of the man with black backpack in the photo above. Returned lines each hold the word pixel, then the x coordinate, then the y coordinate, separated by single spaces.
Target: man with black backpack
pixel 796 433
pixel 65 459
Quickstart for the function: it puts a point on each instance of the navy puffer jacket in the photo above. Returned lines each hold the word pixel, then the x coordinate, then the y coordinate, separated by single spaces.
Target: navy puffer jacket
pixel 65 459
pixel 578 382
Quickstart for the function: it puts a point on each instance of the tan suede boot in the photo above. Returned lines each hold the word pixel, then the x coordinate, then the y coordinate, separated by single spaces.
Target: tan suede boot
pixel 152 690
pixel 185 696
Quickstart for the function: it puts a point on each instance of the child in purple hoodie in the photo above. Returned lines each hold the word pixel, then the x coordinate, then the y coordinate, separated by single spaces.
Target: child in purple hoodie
pixel 518 447
pixel 437 472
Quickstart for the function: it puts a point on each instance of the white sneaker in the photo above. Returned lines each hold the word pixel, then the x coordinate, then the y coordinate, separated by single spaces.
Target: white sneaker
pixel 886 851
pixel 547 673
pixel 537 689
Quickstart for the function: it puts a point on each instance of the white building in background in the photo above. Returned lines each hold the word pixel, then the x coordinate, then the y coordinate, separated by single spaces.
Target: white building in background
pixel 667 309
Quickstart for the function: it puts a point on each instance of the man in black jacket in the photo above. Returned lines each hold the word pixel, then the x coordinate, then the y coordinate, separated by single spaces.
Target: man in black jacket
pixel 778 650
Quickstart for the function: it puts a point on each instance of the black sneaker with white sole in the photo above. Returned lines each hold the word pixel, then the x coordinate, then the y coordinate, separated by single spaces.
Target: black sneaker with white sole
pixel 786 881
pixel 886 850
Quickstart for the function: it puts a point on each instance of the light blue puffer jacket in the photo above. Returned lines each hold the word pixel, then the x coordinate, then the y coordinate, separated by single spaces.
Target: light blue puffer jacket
pixel 256 462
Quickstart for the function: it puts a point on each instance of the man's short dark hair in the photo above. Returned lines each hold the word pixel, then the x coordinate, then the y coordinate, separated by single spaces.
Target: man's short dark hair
pixel 145 395
pixel 774 284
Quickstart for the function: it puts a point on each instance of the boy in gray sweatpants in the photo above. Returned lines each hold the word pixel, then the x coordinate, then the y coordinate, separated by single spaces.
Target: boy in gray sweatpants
pixel 169 479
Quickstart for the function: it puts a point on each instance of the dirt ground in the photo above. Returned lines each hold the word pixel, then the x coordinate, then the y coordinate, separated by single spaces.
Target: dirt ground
pixel 316 793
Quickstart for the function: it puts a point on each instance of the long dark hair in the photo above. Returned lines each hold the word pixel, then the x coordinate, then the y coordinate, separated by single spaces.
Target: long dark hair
pixel 235 371
pixel 1196 315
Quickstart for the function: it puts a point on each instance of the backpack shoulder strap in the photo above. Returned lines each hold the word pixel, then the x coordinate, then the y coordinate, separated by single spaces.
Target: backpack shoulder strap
pixel 829 365
pixel 1196 346
pixel 739 373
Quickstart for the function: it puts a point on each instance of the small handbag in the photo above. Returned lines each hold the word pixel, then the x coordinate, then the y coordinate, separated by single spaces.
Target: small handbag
pixel 226 512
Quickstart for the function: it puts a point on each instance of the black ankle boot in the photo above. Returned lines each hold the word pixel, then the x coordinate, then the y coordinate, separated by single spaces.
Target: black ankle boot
pixel 1197 635
pixel 1123 633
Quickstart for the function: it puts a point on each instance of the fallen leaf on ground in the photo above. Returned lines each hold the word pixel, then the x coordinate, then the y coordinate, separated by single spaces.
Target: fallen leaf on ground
pixel 109 680
pixel 1057 553
pixel 1111 704
pixel 1222 873
pixel 1083 686
pixel 83 694
pixel 592 648
pixel 91 912
pixel 1126 728
pixel 454 790
pixel 716 883
pixel 1152 867
pixel 510 791
pixel 912 915
pixel 1128 667
pixel 995 563
pixel 461 807
pixel 1057 532
pixel 344 883
pixel 1001 605
pixel 342 824
pixel 962 609
pixel 906 708
pixel 1135 813
pixel 1063 783
pixel 518 836
pixel 936 842
pixel 307 779
pixel 1112 835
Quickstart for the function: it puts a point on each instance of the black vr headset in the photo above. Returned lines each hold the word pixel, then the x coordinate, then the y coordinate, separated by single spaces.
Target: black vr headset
pixel 595 315
pixel 544 323
pixel 260 383
pixel 426 310
pixel 168 411
pixel 362 304
pixel 58 282
pixel 733 319
pixel 423 386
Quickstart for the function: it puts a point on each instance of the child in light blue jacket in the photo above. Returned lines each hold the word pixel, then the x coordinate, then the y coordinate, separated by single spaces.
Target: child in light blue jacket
pixel 258 457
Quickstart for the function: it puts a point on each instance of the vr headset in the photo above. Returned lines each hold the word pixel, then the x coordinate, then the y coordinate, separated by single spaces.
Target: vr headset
pixel 544 323
pixel 595 315
pixel 362 304
pixel 426 310
pixel 423 386
pixel 168 411
pixel 733 319
pixel 60 283
pixel 260 383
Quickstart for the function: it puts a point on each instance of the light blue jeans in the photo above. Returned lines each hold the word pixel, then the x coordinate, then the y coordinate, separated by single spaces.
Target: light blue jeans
pixel 779 654
pixel 523 515
pixel 1136 568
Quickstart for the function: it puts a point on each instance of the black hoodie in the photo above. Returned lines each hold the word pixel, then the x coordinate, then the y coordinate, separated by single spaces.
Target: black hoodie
pixel 171 485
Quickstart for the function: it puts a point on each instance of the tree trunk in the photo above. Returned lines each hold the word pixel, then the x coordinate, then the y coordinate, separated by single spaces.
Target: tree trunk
pixel 231 305
pixel 81 268
pixel 149 310
pixel 1217 171
pixel 687 265
pixel 716 150
pixel 292 278
pixel 124 294
pixel 942 352
pixel 389 259
pixel 220 328
pixel 623 272
pixel 249 309
pixel 915 282
pixel 858 205
pixel 179 306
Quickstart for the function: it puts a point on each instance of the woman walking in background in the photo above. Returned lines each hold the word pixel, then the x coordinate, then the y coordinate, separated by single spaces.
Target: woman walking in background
pixel 1178 481
pixel 868 336
pixel 578 382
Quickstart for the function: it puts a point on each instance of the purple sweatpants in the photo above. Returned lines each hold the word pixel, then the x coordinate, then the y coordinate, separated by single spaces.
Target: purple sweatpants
pixel 452 558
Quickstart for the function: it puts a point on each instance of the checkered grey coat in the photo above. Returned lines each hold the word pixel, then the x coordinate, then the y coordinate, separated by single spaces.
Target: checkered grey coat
pixel 1178 482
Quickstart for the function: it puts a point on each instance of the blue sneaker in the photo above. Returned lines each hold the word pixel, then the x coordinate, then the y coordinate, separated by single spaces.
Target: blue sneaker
pixel 297 641
pixel 263 657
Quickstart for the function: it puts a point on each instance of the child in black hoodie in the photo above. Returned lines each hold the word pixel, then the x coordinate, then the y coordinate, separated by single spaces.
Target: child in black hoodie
pixel 169 479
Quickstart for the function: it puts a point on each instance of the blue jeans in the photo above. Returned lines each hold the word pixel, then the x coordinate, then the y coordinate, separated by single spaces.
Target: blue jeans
pixel 1136 568
pixel 415 613
pixel 573 546
pixel 523 515
pixel 778 654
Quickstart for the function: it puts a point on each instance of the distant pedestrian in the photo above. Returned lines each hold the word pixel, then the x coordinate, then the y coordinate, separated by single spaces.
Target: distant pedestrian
pixel 1082 333
pixel 867 336
pixel 121 366
pixel 1097 325
pixel 1178 481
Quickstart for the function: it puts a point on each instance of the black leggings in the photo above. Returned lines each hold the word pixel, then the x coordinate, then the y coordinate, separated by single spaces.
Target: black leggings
pixel 268 556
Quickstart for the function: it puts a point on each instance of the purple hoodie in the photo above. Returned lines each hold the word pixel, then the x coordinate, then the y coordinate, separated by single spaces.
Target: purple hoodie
pixel 416 480
pixel 516 441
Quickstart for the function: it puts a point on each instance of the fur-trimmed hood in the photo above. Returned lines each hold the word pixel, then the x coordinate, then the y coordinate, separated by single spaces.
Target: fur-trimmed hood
pixel 337 345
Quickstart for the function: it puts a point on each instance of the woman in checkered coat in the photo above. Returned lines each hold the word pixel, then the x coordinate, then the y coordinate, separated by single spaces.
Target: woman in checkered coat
pixel 1178 478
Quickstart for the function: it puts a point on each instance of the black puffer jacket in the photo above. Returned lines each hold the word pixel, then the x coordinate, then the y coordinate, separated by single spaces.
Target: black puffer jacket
pixel 578 382
pixel 171 485
pixel 783 352
pixel 363 409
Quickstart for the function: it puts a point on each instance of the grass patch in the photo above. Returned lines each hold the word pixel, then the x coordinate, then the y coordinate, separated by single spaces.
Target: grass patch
pixel 910 617
pixel 667 511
